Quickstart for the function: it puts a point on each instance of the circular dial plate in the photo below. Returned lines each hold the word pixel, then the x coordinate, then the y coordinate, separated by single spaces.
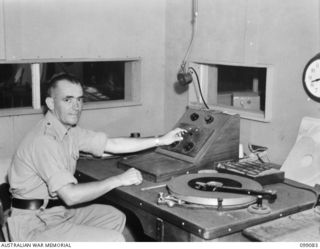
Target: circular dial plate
pixel 179 188
pixel 312 78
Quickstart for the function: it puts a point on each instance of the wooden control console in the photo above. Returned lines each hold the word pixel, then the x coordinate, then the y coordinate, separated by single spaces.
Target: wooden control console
pixel 211 136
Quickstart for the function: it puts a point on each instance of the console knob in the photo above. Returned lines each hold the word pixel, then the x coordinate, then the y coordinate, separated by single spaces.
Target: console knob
pixel 196 130
pixel 194 116
pixel 209 119
pixel 188 147
pixel 174 144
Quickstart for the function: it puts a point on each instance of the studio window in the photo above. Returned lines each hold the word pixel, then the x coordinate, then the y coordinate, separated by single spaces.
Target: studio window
pixel 241 89
pixel 15 85
pixel 105 82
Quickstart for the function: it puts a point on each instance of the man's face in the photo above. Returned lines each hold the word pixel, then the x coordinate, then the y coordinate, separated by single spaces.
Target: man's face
pixel 66 102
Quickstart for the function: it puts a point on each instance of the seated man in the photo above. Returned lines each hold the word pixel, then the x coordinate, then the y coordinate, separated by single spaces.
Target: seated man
pixel 42 181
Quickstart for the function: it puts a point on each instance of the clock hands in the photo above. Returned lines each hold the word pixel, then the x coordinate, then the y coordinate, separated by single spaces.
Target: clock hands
pixel 311 78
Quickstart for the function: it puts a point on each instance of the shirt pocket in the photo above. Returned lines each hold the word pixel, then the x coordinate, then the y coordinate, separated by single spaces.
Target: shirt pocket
pixel 73 160
pixel 75 154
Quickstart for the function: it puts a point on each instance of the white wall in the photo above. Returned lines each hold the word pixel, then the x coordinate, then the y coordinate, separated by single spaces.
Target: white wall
pixel 284 34
pixel 53 29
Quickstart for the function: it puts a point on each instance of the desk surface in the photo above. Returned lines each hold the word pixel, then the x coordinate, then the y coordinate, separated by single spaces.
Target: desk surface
pixel 299 227
pixel 205 224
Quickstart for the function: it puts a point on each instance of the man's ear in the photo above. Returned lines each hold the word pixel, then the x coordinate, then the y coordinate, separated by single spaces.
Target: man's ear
pixel 50 104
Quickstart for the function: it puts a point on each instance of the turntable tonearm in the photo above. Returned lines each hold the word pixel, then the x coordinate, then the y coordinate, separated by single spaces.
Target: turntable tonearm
pixel 216 190
pixel 212 136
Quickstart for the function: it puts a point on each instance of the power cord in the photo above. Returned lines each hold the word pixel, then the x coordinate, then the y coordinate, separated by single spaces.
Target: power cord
pixel 199 87
pixel 259 152
pixel 194 31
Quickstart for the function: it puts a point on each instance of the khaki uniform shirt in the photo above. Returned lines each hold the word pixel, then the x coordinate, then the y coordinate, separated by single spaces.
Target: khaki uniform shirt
pixel 46 159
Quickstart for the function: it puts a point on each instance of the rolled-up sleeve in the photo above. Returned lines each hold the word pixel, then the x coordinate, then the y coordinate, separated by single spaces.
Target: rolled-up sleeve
pixel 59 179
pixel 50 164
pixel 90 141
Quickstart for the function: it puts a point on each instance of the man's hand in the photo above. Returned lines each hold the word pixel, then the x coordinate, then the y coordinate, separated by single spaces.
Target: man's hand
pixel 129 177
pixel 172 136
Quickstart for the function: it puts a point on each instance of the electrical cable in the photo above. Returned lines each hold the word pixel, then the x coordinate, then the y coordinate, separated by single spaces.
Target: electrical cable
pixel 199 87
pixel 194 29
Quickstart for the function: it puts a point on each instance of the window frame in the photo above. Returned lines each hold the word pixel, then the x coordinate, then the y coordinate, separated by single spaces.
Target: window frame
pixel 132 86
pixel 202 70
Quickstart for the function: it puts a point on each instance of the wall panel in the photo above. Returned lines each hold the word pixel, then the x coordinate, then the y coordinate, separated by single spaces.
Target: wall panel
pixel 221 31
pixel 6 137
pixel 112 29
pixel 283 34
pixel 2 25
pixel 77 28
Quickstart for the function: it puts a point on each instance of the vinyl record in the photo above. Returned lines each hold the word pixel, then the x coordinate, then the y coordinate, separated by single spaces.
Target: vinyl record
pixel 185 188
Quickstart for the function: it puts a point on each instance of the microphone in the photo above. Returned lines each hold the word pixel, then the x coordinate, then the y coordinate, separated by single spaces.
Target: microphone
pixel 184 78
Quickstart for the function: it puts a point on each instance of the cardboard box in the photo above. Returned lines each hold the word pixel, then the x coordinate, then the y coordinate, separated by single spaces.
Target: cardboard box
pixel 246 100
pixel 225 99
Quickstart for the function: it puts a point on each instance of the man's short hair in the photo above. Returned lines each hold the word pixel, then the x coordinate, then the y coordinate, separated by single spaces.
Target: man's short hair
pixel 52 83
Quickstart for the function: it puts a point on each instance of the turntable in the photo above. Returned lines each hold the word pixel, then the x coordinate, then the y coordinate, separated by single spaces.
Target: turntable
pixel 218 191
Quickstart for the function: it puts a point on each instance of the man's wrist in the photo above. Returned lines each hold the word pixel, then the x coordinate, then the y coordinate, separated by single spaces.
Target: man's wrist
pixel 115 181
pixel 157 141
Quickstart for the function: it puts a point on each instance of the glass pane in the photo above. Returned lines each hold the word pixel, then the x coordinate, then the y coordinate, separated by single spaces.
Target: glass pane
pixel 242 87
pixel 15 85
pixel 103 81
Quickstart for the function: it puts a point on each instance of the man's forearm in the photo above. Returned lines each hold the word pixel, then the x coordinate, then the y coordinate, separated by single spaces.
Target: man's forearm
pixel 128 145
pixel 73 194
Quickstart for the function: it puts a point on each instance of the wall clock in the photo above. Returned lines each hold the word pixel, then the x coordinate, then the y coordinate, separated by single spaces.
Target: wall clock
pixel 311 78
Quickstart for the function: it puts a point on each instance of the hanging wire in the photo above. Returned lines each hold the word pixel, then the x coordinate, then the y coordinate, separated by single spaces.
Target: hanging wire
pixel 199 87
pixel 194 29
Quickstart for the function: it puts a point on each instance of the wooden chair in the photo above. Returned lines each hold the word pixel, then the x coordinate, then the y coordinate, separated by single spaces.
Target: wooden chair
pixel 5 204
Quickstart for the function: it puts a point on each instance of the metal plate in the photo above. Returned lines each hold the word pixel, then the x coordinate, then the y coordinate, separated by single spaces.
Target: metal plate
pixel 181 188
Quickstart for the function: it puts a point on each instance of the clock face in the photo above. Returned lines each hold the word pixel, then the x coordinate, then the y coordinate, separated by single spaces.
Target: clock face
pixel 311 78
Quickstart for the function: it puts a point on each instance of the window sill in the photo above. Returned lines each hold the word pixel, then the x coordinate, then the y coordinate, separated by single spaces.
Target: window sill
pixel 245 114
pixel 17 111
pixel 109 104
pixel 87 106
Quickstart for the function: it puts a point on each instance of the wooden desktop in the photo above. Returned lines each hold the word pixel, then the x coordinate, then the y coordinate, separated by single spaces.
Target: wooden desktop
pixel 163 223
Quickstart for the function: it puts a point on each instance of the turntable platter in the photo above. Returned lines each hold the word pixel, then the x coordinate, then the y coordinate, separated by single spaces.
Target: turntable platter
pixel 186 188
